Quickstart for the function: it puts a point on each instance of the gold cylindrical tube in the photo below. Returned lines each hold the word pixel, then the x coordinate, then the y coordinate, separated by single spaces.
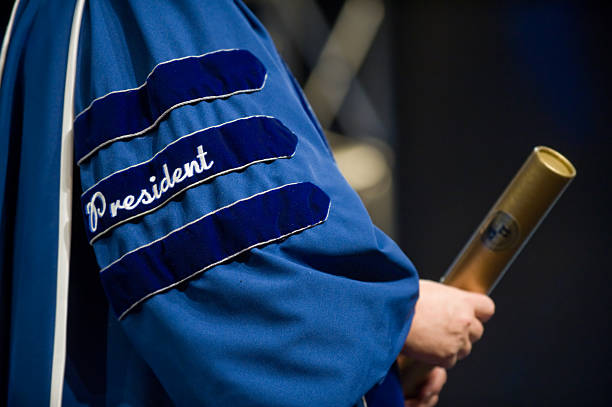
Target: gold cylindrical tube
pixel 500 237
pixel 511 221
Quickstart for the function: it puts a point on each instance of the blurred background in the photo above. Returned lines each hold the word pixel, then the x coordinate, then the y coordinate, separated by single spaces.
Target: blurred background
pixel 431 107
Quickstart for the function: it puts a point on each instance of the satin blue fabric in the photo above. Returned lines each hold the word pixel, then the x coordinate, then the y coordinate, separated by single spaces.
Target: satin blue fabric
pixel 314 319
pixel 221 236
pixel 189 161
pixel 31 100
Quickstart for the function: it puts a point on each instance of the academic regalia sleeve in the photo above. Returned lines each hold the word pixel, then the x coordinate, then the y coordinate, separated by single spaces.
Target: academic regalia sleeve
pixel 241 265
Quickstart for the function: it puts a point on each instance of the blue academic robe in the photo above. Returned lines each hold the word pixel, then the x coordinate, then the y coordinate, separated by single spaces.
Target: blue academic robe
pixel 218 255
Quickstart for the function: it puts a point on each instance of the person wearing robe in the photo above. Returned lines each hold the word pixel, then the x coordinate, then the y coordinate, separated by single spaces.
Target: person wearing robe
pixel 174 229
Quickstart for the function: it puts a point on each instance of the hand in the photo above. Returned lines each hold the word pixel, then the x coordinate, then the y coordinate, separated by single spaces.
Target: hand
pixel 428 395
pixel 446 322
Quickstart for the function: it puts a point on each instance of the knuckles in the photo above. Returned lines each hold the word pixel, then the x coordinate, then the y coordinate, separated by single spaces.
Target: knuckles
pixel 490 307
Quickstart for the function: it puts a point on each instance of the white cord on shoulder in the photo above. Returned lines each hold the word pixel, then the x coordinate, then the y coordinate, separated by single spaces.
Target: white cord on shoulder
pixel 65 214
pixel 7 39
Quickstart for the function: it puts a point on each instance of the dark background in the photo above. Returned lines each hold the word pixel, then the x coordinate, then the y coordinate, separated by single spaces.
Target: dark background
pixel 478 86
pixel 473 87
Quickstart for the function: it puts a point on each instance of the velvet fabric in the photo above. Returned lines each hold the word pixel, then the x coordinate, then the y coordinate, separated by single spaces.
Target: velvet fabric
pixel 221 236
pixel 127 113
pixel 189 161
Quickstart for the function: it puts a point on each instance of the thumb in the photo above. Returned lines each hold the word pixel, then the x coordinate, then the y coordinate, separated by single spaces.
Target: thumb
pixel 484 307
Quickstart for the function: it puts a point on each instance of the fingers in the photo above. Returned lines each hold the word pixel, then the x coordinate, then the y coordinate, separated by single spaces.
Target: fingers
pixel 473 331
pixel 484 307
pixel 476 330
pixel 416 403
pixel 465 350
pixel 432 402
pixel 434 384
pixel 428 396
pixel 449 362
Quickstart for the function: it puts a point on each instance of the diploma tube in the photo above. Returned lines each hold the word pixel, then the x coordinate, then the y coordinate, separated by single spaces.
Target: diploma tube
pixel 501 236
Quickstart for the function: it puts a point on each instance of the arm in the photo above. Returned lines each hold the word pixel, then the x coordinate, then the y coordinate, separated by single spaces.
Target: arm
pixel 264 285
pixel 447 322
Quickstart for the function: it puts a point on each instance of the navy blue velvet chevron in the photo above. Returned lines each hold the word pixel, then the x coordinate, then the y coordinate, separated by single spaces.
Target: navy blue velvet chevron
pixel 206 242
pixel 132 112
pixel 185 163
